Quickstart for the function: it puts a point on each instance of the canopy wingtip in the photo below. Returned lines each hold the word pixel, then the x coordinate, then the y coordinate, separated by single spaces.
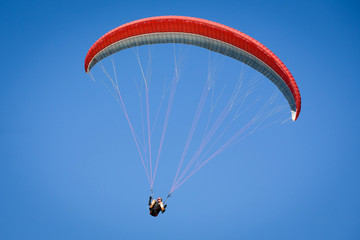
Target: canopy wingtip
pixel 294 116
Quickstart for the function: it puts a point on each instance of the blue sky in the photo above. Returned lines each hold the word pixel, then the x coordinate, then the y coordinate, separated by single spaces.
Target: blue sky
pixel 69 168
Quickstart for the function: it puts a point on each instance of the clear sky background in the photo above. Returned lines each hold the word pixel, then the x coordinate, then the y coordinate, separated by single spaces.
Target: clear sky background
pixel 68 164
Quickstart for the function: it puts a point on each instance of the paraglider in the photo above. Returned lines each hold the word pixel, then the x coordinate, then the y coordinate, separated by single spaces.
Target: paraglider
pixel 202 33
pixel 156 206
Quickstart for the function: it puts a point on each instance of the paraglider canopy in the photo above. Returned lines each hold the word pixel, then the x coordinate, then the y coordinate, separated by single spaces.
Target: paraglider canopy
pixel 203 33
